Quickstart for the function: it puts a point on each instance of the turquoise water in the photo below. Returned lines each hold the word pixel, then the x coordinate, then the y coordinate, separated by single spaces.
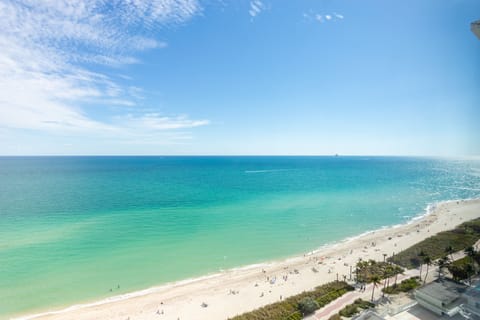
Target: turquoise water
pixel 72 228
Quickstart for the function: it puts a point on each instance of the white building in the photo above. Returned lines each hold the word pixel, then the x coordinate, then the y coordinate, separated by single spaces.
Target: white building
pixel 441 297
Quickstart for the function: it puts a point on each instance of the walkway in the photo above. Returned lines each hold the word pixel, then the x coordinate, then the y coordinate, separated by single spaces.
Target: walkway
pixel 336 305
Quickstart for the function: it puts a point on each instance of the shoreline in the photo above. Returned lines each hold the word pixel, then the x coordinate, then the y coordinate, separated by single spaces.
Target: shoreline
pixel 182 299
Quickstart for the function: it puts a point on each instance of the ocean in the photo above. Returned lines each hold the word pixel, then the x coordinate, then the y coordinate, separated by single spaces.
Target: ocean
pixel 78 229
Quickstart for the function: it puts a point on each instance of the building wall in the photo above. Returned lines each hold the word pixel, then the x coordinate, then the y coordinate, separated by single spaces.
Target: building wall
pixel 428 303
pixel 428 299
pixel 434 305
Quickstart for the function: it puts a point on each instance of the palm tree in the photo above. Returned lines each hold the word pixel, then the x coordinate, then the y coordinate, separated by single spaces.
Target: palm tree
pixel 470 251
pixel 442 263
pixel 375 281
pixel 384 286
pixel 360 270
pixel 356 269
pixel 396 275
pixel 428 261
pixel 387 274
pixel 449 250
pixel 422 254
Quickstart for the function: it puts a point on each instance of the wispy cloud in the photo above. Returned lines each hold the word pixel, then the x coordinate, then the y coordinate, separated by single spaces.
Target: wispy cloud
pixel 256 7
pixel 322 18
pixel 49 49
pixel 156 121
pixel 319 18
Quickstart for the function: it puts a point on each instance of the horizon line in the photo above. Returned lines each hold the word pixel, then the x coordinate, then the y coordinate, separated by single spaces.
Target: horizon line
pixel 468 157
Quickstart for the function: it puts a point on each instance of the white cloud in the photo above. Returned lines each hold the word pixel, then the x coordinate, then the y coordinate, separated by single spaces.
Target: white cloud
pixel 322 18
pixel 156 121
pixel 319 18
pixel 48 47
pixel 256 6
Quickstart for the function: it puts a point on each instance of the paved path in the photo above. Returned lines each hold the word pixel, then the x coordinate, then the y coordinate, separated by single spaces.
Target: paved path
pixel 336 305
pixel 348 298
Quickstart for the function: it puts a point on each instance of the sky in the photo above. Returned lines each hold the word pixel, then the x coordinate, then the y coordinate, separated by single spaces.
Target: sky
pixel 239 77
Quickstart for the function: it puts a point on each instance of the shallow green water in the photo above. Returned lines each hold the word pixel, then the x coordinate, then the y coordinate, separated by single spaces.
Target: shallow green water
pixel 72 228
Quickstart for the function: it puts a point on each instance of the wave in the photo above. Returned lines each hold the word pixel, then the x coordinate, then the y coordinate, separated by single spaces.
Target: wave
pixel 446 187
pixel 266 170
pixel 429 209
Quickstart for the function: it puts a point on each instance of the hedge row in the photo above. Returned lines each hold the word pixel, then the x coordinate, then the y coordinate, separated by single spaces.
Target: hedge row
pixel 352 309
pixel 290 308
pixel 406 285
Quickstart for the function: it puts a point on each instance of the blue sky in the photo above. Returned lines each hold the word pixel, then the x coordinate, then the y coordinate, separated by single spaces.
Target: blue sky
pixel 239 77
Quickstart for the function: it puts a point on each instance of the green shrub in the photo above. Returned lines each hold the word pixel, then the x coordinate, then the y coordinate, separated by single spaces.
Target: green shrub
pixel 349 310
pixel 308 305
pixel 352 309
pixel 364 304
pixel 462 269
pixel 404 286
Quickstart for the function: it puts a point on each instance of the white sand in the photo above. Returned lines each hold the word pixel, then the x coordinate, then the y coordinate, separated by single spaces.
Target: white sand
pixel 183 300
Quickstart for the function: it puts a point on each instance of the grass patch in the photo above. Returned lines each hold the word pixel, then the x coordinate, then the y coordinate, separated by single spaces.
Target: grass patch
pixel 406 285
pixel 461 237
pixel 352 309
pixel 290 308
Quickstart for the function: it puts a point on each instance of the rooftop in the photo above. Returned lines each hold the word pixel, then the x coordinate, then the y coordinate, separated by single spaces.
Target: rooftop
pixel 419 313
pixel 444 291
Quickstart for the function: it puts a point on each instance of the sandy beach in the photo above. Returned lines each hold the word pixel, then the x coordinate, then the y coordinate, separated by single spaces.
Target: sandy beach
pixel 236 291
